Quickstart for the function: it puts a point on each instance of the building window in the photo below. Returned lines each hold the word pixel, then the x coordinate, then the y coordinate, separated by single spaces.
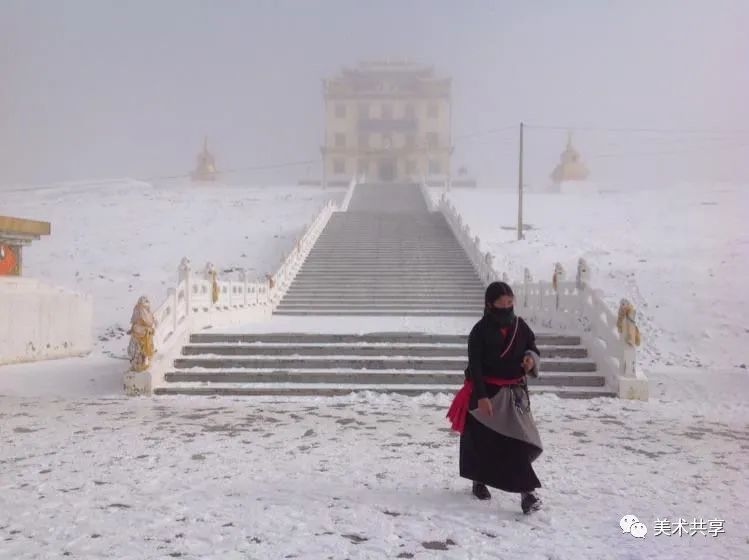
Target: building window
pixel 410 141
pixel 339 166
pixel 434 167
pixel 411 167
pixel 340 110
pixel 363 140
pixel 432 140
pixel 340 140
pixel 433 111
pixel 387 112
pixel 387 141
pixel 410 111
pixel 364 111
pixel 362 166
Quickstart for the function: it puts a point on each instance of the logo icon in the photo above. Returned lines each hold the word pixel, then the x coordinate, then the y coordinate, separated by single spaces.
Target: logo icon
pixel 630 524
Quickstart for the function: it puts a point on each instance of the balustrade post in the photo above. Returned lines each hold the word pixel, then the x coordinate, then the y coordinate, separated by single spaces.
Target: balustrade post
pixel 211 275
pixel 557 279
pixel 184 274
pixel 245 285
pixel 172 295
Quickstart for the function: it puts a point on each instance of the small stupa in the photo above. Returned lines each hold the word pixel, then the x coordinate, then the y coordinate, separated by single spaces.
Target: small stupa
pixel 570 167
pixel 205 170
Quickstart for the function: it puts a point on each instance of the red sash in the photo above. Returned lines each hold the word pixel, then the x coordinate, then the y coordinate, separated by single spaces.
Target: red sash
pixel 459 407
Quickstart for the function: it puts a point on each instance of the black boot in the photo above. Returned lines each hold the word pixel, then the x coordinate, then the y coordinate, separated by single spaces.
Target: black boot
pixel 529 502
pixel 481 491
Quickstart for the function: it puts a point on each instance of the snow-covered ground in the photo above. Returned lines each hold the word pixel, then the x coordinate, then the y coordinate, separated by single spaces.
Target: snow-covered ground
pixel 121 239
pixel 87 473
pixel 680 253
pixel 370 477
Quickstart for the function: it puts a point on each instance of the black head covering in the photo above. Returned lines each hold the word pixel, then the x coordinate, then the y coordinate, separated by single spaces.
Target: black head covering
pixel 495 290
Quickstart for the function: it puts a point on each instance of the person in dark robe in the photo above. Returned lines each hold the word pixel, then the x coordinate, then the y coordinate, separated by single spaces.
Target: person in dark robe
pixel 499 440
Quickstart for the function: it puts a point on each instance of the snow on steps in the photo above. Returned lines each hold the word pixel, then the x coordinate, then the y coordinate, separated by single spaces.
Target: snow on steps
pixel 334 390
pixel 337 364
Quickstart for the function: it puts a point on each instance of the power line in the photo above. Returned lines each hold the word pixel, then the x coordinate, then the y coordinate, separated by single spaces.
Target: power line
pixel 485 132
pixel 676 152
pixel 638 130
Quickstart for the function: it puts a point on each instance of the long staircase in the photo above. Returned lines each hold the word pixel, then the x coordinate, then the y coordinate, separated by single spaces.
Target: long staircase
pixel 386 256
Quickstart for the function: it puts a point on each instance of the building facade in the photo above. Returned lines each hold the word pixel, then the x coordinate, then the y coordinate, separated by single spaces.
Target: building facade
pixel 390 121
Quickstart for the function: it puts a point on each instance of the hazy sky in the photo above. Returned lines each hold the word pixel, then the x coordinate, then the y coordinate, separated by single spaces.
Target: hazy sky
pixel 112 88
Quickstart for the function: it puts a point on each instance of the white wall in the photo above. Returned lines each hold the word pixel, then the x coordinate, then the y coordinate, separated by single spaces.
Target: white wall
pixel 40 322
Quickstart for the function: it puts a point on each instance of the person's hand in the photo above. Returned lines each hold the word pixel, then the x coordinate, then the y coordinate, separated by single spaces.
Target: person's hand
pixel 485 406
pixel 528 363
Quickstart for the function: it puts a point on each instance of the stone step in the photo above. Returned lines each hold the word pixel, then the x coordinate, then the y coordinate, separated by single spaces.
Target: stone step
pixel 380 305
pixel 332 350
pixel 557 379
pixel 368 298
pixel 414 289
pixel 364 295
pixel 542 339
pixel 403 264
pixel 349 251
pixel 384 243
pixel 342 265
pixel 452 273
pixel 393 291
pixel 343 287
pixel 374 313
pixel 421 238
pixel 418 284
pixel 360 363
pixel 352 248
pixel 343 248
pixel 401 270
pixel 393 279
pixel 418 238
pixel 331 390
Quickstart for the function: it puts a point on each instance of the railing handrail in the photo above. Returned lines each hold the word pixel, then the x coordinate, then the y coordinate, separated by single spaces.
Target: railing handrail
pixel 202 299
pixel 560 304
pixel 349 193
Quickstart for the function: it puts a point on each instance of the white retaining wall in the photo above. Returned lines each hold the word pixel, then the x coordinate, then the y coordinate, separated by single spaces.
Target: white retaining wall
pixel 42 322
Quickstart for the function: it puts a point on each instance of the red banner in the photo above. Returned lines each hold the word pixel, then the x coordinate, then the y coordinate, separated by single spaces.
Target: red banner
pixel 9 260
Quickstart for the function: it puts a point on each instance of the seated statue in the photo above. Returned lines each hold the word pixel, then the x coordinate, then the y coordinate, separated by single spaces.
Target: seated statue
pixel 142 328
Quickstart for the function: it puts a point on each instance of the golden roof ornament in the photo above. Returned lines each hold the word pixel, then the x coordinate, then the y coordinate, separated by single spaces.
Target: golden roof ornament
pixel 205 169
pixel 570 167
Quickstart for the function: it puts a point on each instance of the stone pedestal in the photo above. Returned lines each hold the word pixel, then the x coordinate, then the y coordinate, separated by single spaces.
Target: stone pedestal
pixel 137 383
pixel 634 388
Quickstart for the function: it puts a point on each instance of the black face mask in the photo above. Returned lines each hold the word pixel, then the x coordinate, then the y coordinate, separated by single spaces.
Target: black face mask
pixel 504 316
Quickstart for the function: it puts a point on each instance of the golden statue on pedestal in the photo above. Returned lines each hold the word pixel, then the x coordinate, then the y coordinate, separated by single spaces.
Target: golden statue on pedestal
pixel 205 170
pixel 142 327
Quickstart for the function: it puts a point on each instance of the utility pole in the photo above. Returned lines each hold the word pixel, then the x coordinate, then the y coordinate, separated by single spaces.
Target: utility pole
pixel 324 170
pixel 520 187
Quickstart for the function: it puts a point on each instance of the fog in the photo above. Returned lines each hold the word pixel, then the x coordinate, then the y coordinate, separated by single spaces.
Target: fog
pixel 105 88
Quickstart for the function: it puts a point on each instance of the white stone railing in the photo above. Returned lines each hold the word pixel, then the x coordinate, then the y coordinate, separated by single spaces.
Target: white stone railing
pixel 350 193
pixel 482 262
pixel 431 206
pixel 562 305
pixel 202 299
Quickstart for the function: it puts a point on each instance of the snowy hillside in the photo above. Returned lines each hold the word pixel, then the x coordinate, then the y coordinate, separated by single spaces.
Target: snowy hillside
pixel 122 239
pixel 94 474
pixel 680 253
